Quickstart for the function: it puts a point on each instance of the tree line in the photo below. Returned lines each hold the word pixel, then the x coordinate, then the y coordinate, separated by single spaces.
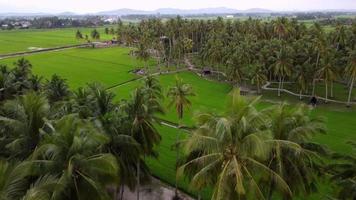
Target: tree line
pixel 253 51
pixel 52 22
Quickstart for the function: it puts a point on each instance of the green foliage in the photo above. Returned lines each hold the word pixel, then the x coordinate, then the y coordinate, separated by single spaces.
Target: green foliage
pixel 42 38
pixel 75 146
pixel 56 89
pixel 179 96
pixel 95 35
pixel 22 119
pixel 344 173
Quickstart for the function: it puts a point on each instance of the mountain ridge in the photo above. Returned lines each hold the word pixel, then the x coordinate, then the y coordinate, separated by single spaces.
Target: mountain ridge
pixel 168 11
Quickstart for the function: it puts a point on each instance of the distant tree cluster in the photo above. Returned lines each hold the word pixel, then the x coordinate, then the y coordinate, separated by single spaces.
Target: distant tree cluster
pixel 254 50
pixel 52 22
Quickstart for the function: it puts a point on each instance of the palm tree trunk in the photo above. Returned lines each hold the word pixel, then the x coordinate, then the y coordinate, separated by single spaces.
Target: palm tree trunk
pixel 138 180
pixel 115 193
pixel 270 190
pixel 316 67
pixel 177 158
pixel 170 51
pixel 279 86
pixel 159 65
pixel 313 90
pixel 122 192
pixel 300 94
pixel 177 154
pixel 350 91
pixel 326 91
pixel 282 86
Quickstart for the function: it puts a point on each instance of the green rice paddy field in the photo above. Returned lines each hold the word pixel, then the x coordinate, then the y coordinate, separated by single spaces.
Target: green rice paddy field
pixel 111 66
pixel 24 40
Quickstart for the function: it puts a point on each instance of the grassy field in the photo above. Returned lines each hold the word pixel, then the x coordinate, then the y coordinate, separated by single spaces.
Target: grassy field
pixel 210 96
pixel 23 40
pixel 108 66
pixel 112 65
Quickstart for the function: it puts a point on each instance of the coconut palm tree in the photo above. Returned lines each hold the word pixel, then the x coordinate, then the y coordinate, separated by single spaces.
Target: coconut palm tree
pixel 281 27
pixel 152 86
pixel 296 160
pixel 320 44
pixel 71 151
pixel 95 35
pixel 13 184
pixel 83 103
pixel 22 119
pixel 7 83
pixel 143 55
pixel 178 96
pixel 22 72
pixel 141 115
pixel 187 46
pixel 56 89
pixel 327 72
pixel 350 71
pixel 339 36
pixel 102 99
pixel 282 66
pixel 126 149
pixel 42 188
pixel 36 83
pixel 344 174
pixel 227 151
pixel 301 77
pixel 78 35
pixel 23 69
pixel 258 77
pixel 234 65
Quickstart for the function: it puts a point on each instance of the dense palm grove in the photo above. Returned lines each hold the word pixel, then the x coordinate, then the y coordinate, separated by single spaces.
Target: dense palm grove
pixel 254 51
pixel 57 143
pixel 62 144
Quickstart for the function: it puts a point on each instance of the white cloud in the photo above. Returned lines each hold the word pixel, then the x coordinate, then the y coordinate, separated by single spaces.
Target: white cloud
pixel 84 6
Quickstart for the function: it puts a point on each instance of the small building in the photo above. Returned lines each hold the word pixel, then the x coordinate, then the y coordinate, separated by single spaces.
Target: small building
pixel 244 90
pixel 206 71
pixel 99 44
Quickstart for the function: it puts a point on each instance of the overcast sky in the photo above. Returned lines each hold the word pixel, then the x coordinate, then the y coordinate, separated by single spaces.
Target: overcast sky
pixel 85 6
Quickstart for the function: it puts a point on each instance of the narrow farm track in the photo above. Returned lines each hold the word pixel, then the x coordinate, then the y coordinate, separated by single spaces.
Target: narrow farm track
pixel 266 87
pixel 25 53
pixel 140 78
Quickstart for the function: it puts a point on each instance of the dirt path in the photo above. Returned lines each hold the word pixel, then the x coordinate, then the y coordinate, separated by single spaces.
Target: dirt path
pixel 156 190
pixel 25 53
pixel 266 87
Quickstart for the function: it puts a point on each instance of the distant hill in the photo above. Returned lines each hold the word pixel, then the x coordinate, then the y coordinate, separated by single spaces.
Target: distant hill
pixel 124 11
pixel 175 11
pixel 218 10
pixel 257 10
pixel 170 11
pixel 14 14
